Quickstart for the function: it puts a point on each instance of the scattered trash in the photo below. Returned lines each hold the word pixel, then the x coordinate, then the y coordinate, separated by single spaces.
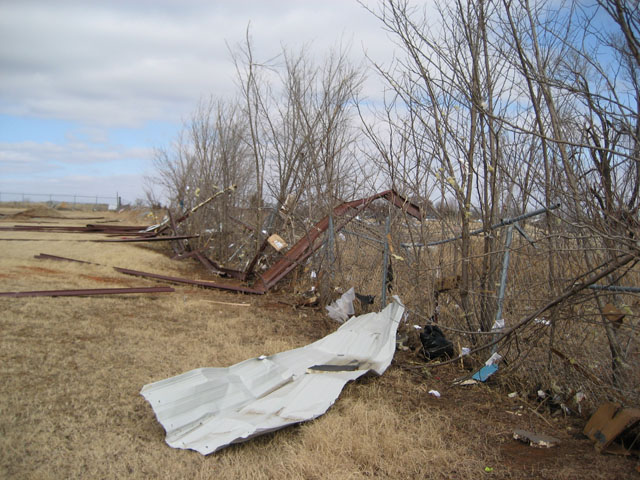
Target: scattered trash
pixel 209 408
pixel 517 411
pixel 542 394
pixel 609 423
pixel 435 393
pixel 434 344
pixel 488 469
pixel 365 299
pixel 535 440
pixel 342 307
pixel 513 395
pixel 465 351
pixel 417 327
pixel 484 373
pixel 497 325
pixel 277 242
pixel 542 321
pixel 468 381
pixel 578 398
pixel 493 359
pixel 401 342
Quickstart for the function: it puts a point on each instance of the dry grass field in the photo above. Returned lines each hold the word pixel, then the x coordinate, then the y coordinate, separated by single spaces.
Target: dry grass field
pixel 71 369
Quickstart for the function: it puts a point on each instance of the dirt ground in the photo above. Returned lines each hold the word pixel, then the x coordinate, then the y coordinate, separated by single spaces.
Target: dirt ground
pixel 71 369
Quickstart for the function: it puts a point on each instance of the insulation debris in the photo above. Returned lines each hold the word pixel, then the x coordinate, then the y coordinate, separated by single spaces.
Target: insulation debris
pixel 209 408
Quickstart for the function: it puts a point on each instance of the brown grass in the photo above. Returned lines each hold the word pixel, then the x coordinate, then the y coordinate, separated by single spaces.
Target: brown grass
pixel 71 370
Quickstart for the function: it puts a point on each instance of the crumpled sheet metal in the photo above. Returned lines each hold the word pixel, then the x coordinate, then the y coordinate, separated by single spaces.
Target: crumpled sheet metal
pixel 209 408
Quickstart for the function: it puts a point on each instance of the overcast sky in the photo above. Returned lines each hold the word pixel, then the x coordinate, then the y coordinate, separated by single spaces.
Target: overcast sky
pixel 89 88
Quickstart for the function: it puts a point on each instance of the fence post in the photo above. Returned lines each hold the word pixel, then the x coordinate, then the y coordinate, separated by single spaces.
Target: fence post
pixel 330 247
pixel 503 276
pixel 385 263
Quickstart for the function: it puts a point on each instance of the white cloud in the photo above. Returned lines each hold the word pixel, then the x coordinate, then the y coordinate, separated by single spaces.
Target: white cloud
pixel 117 65
pixel 39 156
pixel 121 63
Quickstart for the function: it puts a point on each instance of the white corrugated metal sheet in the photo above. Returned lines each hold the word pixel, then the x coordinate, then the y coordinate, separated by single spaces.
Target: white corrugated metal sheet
pixel 209 408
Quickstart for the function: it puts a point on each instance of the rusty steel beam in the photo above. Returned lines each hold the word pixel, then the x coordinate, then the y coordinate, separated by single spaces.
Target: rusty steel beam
pixel 208 264
pixel 229 272
pixel 87 292
pixel 145 239
pixel 200 283
pixel 45 256
pixel 187 281
pixel 121 230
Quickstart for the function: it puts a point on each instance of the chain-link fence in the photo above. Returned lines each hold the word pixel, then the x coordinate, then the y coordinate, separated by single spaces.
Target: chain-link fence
pixel 73 202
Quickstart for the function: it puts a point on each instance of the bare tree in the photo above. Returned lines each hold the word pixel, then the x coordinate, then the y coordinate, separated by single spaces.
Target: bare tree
pixel 209 155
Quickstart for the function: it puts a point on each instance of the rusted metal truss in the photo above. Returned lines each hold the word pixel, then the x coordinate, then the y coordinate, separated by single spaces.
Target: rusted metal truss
pixel 308 244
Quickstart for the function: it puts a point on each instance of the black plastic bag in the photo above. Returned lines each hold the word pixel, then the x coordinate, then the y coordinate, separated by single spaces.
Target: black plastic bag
pixel 435 344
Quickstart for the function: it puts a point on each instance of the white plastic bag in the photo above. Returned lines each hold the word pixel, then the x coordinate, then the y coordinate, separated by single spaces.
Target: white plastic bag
pixel 342 307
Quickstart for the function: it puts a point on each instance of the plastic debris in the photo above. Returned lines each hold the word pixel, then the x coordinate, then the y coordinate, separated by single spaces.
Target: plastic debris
pixel 435 393
pixel 465 351
pixel 342 307
pixel 468 381
pixel 435 345
pixel 493 359
pixel 485 372
pixel 497 325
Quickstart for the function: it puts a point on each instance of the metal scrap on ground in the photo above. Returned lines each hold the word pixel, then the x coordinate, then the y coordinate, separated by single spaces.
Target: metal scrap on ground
pixel 293 257
pixel 209 408
pixel 535 439
pixel 87 291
